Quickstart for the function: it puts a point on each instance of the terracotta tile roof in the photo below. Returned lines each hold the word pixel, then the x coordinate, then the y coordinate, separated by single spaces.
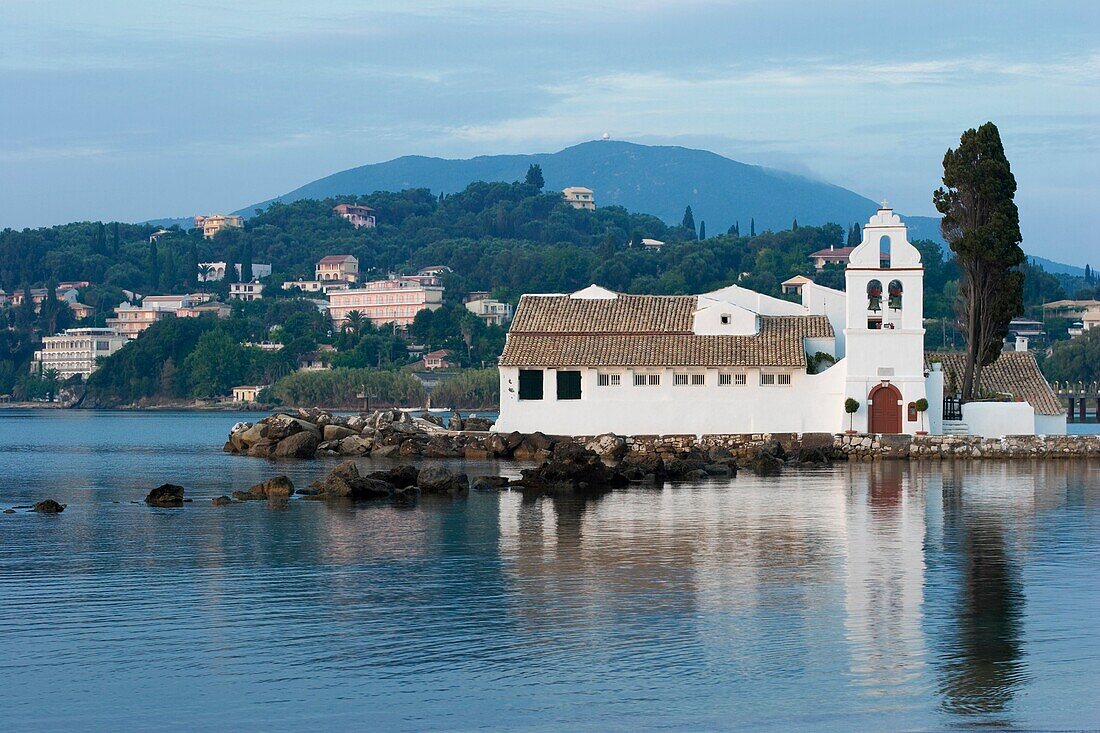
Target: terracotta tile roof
pixel 625 314
pixel 836 252
pixel 1015 373
pixel 646 330
pixel 334 259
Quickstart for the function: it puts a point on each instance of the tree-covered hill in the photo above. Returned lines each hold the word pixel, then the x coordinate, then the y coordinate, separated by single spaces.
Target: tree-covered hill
pixel 661 180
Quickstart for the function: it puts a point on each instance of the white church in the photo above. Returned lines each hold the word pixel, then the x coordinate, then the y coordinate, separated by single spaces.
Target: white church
pixel 736 361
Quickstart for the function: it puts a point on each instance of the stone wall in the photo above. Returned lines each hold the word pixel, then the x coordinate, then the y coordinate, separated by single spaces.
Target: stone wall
pixel 863 447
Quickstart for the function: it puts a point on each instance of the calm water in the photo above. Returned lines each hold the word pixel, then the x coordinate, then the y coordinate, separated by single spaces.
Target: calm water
pixel 882 597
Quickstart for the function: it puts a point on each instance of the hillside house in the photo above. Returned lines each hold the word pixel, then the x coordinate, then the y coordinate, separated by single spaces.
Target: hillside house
pixel 246 291
pixel 579 197
pixel 211 224
pixel 338 268
pixel 737 361
pixel 437 360
pixel 492 312
pixel 831 256
pixel 359 216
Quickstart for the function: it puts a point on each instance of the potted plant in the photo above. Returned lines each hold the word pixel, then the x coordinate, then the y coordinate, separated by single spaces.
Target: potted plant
pixel 921 406
pixel 851 407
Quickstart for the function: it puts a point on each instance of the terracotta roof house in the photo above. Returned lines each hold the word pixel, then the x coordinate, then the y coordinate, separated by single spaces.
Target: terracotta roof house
pixel 831 256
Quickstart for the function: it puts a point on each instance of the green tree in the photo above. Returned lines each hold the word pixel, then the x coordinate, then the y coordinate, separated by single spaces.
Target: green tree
pixel 702 230
pixel 534 176
pixel 752 227
pixel 246 262
pixel 1076 360
pixel 154 267
pixel 215 365
pixel 689 221
pixel 982 226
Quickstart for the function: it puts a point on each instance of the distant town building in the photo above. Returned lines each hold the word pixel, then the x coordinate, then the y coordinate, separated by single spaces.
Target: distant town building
pixel 359 216
pixel 315 361
pixel 435 271
pixel 81 311
pixel 493 312
pixel 831 256
pixel 315 286
pixel 215 271
pixel 66 295
pixel 579 197
pixel 263 345
pixel 1069 308
pixel 212 308
pixel 246 291
pixel 1025 331
pixel 213 223
pixel 793 285
pixel 158 234
pixel 247 392
pixel 131 320
pixel 5 299
pixel 396 300
pixel 437 360
pixel 652 245
pixel 75 350
pixel 344 268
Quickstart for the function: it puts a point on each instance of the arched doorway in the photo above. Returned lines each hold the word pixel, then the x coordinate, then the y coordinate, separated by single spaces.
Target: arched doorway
pixel 885 413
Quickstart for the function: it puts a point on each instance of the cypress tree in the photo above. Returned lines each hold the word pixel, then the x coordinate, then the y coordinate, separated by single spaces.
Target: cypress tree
pixel 114 238
pixel 154 265
pixel 1088 274
pixel 702 230
pixel 246 262
pixel 689 221
pixel 982 226
pixel 752 227
pixel 534 176
pixel 794 225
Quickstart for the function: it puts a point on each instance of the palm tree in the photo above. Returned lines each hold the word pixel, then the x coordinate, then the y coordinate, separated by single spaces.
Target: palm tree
pixel 354 320
pixel 204 272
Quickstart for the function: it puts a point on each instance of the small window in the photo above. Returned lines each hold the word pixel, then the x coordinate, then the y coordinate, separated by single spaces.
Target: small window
pixel 725 319
pixel 569 385
pixel 616 380
pixel 740 379
pixel 608 380
pixel 767 380
pixel 680 380
pixel 724 380
pixel 530 384
pixel 698 379
pixel 654 380
pixel 639 380
pixel 784 380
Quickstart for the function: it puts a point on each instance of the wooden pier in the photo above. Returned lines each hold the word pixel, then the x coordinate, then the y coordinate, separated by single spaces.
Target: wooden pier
pixel 1082 401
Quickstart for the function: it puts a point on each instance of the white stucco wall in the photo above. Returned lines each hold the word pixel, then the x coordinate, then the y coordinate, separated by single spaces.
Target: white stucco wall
pixel 934 390
pixel 998 419
pixel 832 304
pixel 1050 424
pixel 812 403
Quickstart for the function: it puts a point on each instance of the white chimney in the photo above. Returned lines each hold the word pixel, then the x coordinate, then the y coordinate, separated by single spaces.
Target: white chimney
pixel 1021 343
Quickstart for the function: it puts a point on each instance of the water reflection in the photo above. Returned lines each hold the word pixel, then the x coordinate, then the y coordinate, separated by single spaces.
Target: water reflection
pixel 980 663
pixel 884 596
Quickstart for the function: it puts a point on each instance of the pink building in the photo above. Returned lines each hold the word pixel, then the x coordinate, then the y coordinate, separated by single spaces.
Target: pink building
pixel 396 300
pixel 359 216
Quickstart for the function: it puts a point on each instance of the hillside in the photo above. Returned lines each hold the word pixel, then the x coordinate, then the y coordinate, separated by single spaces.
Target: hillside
pixel 659 180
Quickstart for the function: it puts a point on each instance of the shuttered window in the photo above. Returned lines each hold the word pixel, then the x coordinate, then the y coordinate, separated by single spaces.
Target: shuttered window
pixel 530 384
pixel 569 385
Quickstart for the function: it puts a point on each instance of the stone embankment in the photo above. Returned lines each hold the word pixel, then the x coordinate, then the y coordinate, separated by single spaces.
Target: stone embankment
pixel 396 434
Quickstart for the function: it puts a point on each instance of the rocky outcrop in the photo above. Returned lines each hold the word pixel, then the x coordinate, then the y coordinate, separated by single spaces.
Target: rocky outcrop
pixel 49 506
pixel 345 482
pixel 489 483
pixel 440 480
pixel 221 501
pixel 572 467
pixel 302 444
pixel 279 487
pixel 165 495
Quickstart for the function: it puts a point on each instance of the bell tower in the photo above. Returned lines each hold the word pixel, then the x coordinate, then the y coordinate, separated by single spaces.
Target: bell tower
pixel 884 331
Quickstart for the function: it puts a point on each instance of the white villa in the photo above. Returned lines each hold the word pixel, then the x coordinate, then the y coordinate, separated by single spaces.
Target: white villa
pixel 737 361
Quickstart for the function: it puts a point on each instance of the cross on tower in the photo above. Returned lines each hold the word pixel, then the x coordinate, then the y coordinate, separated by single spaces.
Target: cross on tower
pixel 885 204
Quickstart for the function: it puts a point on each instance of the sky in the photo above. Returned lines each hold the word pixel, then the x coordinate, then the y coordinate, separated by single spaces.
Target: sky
pixel 136 109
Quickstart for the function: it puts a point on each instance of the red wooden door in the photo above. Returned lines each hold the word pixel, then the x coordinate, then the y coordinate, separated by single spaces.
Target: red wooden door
pixel 885 416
